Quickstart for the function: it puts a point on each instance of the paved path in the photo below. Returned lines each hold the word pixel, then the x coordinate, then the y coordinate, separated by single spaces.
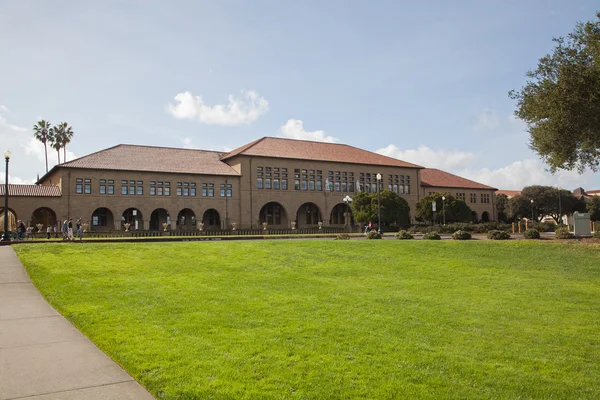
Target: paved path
pixel 42 356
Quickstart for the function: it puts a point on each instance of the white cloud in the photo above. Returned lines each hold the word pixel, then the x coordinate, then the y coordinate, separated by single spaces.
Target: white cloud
pixel 188 143
pixel 15 180
pixel 527 172
pixel 3 108
pixel 294 129
pixel 486 119
pixel 4 123
pixel 36 148
pixel 427 157
pixel 241 110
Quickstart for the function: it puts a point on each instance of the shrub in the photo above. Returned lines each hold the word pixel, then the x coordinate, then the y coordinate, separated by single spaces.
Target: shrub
pixel 563 233
pixel 596 234
pixel 461 235
pixel 460 226
pixel 431 236
pixel 496 234
pixel 373 234
pixel 404 235
pixel 492 226
pixel 531 233
pixel 343 236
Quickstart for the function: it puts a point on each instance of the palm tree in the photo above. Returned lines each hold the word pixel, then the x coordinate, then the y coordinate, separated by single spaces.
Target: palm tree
pixel 55 137
pixel 40 132
pixel 66 138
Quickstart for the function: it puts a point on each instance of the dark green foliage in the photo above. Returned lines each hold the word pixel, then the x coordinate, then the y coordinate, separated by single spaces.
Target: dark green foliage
pixel 461 235
pixel 502 208
pixel 394 208
pixel 342 236
pixel 456 210
pixel 460 226
pixel 561 101
pixel 404 235
pixel 531 233
pixel 596 234
pixel 373 235
pixel 490 226
pixel 543 226
pixel 593 207
pixel 547 200
pixel 563 233
pixel 498 235
pixel 431 236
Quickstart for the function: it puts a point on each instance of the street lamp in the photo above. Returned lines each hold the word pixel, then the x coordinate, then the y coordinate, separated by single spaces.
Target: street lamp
pixel 5 237
pixel 444 208
pixel 532 209
pixel 559 206
pixel 378 204
pixel 348 201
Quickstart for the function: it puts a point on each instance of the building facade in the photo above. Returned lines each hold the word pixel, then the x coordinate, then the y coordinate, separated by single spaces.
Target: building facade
pixel 277 181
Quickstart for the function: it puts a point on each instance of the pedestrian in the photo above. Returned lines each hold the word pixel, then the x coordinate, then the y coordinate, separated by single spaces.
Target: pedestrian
pixel 20 230
pixel 65 230
pixel 48 231
pixel 70 229
pixel 56 231
pixel 28 232
pixel 79 229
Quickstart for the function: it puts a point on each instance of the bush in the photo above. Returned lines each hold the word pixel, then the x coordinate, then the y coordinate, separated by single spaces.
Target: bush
pixel 492 226
pixel 373 234
pixel 425 229
pixel 496 234
pixel 461 235
pixel 563 233
pixel 404 235
pixel 431 236
pixel 543 226
pixel 596 234
pixel 531 233
pixel 460 226
pixel 343 236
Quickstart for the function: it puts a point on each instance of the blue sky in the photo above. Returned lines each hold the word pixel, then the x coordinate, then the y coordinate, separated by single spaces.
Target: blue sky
pixel 426 82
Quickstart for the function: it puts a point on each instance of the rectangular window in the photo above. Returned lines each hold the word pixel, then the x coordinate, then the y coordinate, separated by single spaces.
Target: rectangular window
pixel 211 190
pixel 193 192
pixel 102 189
pixel 460 196
pixel 111 189
pixel 337 186
pixel 159 191
pixel 229 191
pixel 124 190
pixel 186 191
pixel 140 183
pixel 395 188
pixel 152 190
pixel 485 198
pixel 351 186
pixel 88 188
pixel 78 188
pixel 259 183
pixel 296 184
pixel 140 190
pixel 311 185
pixel 284 184
pixel 132 190
pixel 222 191
pixel 179 191
pixel 304 185
pixel 167 191
pixel 319 185
pixel 268 183
pixel 473 198
pixel 276 184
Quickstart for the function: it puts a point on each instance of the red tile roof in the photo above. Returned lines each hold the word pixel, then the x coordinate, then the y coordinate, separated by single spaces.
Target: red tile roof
pixel 509 193
pixel 593 192
pixel 317 151
pixel 31 190
pixel 436 178
pixel 125 157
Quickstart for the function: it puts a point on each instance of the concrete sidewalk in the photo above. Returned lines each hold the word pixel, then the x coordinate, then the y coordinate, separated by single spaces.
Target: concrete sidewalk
pixel 42 356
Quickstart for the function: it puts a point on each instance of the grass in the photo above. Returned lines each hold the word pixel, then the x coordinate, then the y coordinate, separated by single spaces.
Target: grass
pixel 336 319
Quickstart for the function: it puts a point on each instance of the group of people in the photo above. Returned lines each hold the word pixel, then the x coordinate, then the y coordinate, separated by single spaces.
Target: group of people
pixel 24 232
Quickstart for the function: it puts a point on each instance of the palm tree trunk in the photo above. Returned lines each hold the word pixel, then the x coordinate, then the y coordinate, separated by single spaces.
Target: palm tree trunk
pixel 58 152
pixel 65 154
pixel 46 153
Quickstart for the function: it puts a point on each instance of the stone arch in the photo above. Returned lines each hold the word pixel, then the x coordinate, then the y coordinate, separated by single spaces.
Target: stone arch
pixel 134 217
pixel 308 215
pixel 485 216
pixel 12 220
pixel 211 219
pixel 45 216
pixel 102 219
pixel 474 216
pixel 338 215
pixel 186 220
pixel 274 214
pixel 158 217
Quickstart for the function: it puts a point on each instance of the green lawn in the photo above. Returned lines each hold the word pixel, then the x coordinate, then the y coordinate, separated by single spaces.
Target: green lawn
pixel 336 319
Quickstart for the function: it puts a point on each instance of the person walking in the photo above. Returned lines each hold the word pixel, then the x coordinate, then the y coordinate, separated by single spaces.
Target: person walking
pixel 48 231
pixel 65 230
pixel 70 229
pixel 55 227
pixel 20 230
pixel 79 229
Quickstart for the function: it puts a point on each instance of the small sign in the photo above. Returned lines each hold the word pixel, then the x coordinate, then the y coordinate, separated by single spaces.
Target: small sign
pixel 134 213
pixel 433 206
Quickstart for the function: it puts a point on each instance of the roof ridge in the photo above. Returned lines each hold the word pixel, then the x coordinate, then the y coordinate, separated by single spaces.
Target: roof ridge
pixel 164 147
pixel 242 148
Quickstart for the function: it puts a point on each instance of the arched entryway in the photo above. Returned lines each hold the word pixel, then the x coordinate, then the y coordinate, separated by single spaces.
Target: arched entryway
pixel 45 216
pixel 274 215
pixel 159 217
pixel 474 216
pixel 12 220
pixel 102 219
pixel 186 220
pixel 308 215
pixel 211 219
pixel 132 216
pixel 338 215
pixel 485 217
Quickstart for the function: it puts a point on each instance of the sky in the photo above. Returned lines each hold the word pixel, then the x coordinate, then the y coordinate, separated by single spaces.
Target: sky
pixel 425 82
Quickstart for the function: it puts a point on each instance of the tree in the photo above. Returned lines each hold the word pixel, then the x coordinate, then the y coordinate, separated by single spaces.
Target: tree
pixel 394 208
pixel 456 210
pixel 502 208
pixel 66 136
pixel 40 132
pixel 547 201
pixel 519 207
pixel 55 139
pixel 561 101
pixel 593 207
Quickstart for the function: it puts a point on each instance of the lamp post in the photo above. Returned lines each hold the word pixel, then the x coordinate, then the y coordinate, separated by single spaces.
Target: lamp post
pixel 559 206
pixel 378 204
pixel 444 208
pixel 532 209
pixel 5 237
pixel 348 201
